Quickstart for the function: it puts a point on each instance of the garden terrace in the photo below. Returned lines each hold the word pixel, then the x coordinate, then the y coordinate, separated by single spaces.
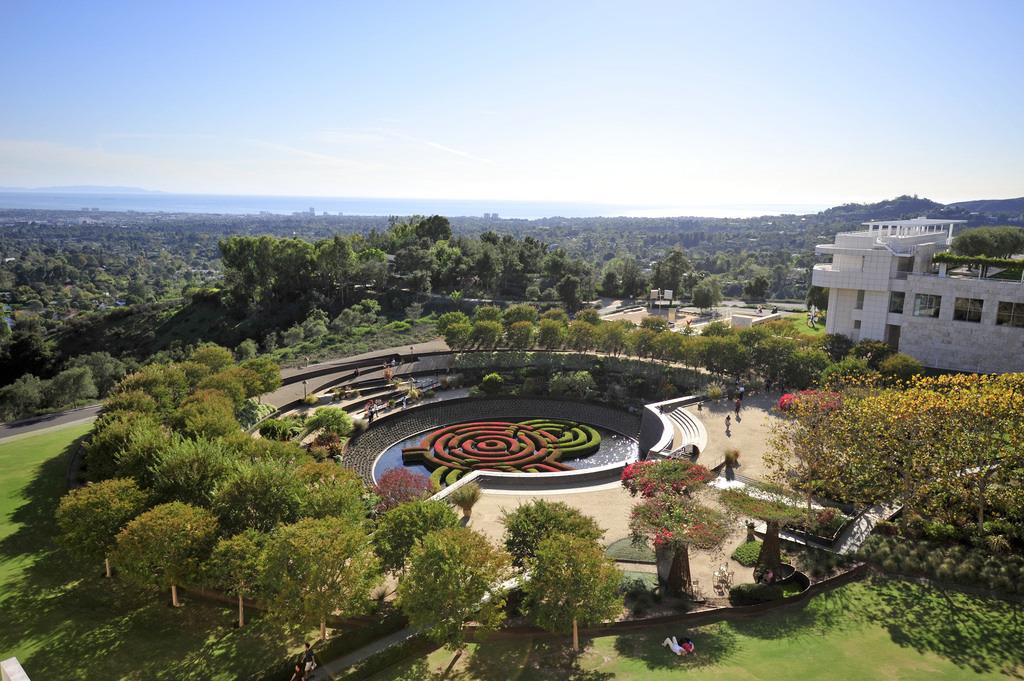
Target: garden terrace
pixel 364 449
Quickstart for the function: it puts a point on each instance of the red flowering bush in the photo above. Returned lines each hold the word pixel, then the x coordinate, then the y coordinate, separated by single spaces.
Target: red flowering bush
pixel 399 485
pixel 826 400
pixel 670 476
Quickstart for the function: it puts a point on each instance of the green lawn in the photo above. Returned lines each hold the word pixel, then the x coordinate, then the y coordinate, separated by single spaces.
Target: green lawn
pixel 64 621
pixel 798 320
pixel 882 630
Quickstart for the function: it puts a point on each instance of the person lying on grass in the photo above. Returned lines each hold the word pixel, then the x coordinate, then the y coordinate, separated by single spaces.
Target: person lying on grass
pixel 687 647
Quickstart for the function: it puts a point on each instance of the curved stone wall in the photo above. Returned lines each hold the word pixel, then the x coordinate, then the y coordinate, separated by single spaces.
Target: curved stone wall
pixel 364 449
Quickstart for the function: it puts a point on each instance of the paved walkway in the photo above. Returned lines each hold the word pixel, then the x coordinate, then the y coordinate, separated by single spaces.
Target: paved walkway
pixel 335 667
pixel 857 532
pixel 287 394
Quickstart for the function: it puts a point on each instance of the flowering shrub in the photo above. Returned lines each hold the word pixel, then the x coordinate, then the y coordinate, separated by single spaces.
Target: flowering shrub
pixel 826 400
pixel 400 485
pixel 654 478
pixel 673 521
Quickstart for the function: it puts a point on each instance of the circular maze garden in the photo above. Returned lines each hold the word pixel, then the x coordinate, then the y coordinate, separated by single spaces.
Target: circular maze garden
pixel 536 445
pixel 532 446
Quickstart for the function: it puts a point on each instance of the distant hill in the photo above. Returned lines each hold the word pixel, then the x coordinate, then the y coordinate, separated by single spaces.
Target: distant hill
pixel 982 212
pixel 992 206
pixel 891 209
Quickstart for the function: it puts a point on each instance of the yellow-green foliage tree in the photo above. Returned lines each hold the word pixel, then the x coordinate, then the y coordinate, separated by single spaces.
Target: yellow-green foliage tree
pixel 91 516
pixel 166 545
pixel 318 567
pixel 572 582
pixel 236 566
pixel 454 576
pixel 933 445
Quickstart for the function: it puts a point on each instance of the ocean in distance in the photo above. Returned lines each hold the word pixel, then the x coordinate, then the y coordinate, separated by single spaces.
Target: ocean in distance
pixel 153 202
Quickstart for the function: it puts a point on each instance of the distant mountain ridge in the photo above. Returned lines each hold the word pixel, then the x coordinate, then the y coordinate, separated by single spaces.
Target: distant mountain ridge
pixel 997 206
pixel 903 207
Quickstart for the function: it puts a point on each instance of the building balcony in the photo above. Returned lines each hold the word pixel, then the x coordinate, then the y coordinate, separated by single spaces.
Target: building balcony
pixel 827 276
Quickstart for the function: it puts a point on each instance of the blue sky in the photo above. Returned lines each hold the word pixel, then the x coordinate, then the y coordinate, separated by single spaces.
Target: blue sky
pixel 635 103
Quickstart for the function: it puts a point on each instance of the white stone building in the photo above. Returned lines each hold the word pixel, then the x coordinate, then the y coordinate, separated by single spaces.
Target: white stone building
pixel 884 286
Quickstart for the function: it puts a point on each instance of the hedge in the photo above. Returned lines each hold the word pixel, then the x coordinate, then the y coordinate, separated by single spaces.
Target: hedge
pixel 752 594
pixel 987 261
pixel 746 553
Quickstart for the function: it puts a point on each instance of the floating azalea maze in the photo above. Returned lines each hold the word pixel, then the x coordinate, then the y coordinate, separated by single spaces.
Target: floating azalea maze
pixel 530 446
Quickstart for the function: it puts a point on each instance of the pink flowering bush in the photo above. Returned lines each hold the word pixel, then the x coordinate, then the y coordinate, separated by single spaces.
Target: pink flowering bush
pixel 671 476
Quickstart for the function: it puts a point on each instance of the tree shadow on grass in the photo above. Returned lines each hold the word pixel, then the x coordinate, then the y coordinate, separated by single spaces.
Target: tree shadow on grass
pixel 418 670
pixel 529 659
pixel 829 611
pixel 64 621
pixel 974 632
pixel 714 643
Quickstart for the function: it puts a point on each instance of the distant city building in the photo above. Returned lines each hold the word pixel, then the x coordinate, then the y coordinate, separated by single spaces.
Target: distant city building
pixel 491 216
pixel 883 285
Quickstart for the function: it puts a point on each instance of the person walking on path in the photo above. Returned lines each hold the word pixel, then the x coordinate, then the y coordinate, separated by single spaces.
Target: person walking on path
pixel 728 423
pixel 308 660
pixel 739 402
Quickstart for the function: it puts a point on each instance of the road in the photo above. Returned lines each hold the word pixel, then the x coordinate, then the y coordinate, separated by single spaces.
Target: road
pixel 35 423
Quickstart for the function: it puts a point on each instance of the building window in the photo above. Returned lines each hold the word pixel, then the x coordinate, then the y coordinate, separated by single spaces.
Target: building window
pixel 856 324
pixel 967 309
pixel 1010 314
pixel 860 301
pixel 927 305
pixel 896 299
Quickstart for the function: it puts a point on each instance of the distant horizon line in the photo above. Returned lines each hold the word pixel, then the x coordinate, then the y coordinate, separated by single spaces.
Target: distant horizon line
pixel 135 199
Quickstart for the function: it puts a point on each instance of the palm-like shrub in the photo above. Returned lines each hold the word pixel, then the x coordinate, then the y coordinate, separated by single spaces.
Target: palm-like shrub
pixel 465 497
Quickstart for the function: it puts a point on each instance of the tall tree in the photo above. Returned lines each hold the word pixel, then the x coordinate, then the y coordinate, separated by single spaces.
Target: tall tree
pixel 318 567
pixel 528 525
pixel 259 495
pixel 166 545
pixel 90 517
pixel 236 566
pixel 400 528
pixel 454 576
pixel 572 582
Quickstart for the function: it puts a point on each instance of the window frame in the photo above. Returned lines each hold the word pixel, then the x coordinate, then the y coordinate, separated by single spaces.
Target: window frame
pixel 918 306
pixel 966 313
pixel 903 301
pixel 1014 318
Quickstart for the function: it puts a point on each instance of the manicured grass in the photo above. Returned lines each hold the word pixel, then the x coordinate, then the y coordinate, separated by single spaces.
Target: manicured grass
pixel 625 549
pixel 798 320
pixel 882 630
pixel 64 621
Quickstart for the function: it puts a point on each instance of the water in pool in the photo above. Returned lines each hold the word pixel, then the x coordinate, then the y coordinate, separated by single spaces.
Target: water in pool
pixel 614 447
